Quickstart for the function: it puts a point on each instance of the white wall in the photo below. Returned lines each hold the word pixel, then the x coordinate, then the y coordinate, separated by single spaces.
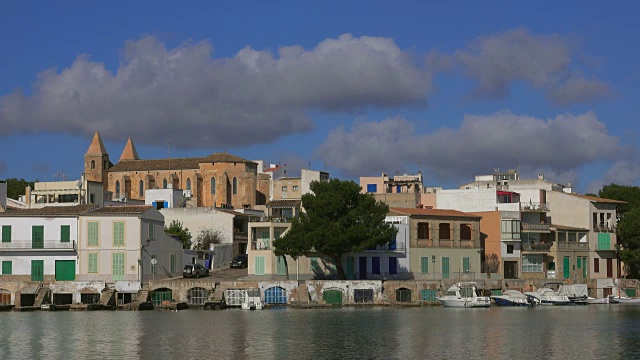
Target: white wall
pixel 472 200
pixel 21 264
pixel 21 227
pixel 202 218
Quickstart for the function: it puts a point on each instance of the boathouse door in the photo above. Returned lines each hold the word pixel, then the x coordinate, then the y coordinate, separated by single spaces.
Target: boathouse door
pixel 362 268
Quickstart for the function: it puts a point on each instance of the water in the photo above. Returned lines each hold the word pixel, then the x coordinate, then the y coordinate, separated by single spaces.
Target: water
pixel 384 333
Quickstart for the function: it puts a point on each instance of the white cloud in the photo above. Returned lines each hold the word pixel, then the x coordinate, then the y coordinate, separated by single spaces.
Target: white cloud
pixel 195 100
pixel 557 146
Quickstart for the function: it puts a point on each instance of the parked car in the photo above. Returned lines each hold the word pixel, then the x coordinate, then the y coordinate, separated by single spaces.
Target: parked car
pixel 195 271
pixel 239 261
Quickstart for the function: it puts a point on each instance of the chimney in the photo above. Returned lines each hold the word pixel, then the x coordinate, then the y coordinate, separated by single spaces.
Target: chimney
pixel 540 176
pixel 27 193
pixel 569 184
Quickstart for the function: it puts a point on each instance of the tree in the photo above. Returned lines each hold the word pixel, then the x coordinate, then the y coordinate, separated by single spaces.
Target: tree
pixel 16 187
pixel 630 194
pixel 492 264
pixel 338 219
pixel 629 236
pixel 183 234
pixel 207 237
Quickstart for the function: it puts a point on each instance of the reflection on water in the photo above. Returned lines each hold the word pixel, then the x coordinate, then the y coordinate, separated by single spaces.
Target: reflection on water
pixel 405 333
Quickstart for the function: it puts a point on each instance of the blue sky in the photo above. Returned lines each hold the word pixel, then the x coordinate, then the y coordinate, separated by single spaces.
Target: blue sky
pixel 359 87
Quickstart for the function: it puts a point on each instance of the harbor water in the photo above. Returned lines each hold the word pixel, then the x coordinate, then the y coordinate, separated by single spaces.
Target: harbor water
pixel 589 332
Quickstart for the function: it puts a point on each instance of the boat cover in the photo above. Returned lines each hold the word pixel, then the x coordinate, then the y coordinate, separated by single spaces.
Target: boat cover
pixel 574 290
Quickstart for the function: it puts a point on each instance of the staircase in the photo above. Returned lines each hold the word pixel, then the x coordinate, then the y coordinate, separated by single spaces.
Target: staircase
pixel 143 296
pixel 107 296
pixel 303 294
pixel 42 292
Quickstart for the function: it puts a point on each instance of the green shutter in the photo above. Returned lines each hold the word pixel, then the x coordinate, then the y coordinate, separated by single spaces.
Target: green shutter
pixel 6 233
pixel 65 270
pixel 445 267
pixel 6 268
pixel 118 266
pixel 65 233
pixel 265 239
pixel 579 263
pixel 37 237
pixel 93 262
pixel 424 264
pixel 466 264
pixel 37 270
pixel 259 265
pixel 566 267
pixel 604 241
pixel 350 267
pixel 118 233
pixel 280 268
pixel 92 233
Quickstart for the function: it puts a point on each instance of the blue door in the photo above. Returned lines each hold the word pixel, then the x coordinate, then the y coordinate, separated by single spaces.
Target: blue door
pixel 275 295
pixel 362 268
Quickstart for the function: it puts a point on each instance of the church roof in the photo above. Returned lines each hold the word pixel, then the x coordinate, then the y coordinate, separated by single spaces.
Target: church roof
pixel 96 147
pixel 175 164
pixel 129 152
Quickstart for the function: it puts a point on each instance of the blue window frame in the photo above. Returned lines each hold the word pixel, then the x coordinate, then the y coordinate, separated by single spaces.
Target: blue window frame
pixel 275 295
pixel 372 188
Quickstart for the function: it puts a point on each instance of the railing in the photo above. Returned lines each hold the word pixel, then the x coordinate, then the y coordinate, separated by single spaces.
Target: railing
pixel 537 247
pixel 271 219
pixel 44 245
pixel 604 228
pixel 260 245
pixel 573 245
pixel 397 247
pixel 535 227
pixel 467 243
pixel 240 235
pixel 605 246
pixel 534 206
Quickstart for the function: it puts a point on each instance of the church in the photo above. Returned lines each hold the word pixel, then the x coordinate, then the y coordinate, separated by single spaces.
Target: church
pixel 218 180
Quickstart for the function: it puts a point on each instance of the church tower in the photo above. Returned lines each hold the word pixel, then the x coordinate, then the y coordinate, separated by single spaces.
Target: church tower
pixel 129 152
pixel 96 161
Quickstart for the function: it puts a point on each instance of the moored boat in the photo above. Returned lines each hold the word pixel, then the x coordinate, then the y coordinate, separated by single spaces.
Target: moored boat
pixel 548 296
pixel 511 298
pixel 601 301
pixel 464 295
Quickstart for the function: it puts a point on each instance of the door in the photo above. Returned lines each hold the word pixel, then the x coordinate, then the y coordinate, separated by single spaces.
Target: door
pixel 37 270
pixel 609 268
pixel 333 297
pixel 37 237
pixel 65 270
pixel 510 270
pixel 362 267
pixel 584 267
pixel 566 267
pixel 375 265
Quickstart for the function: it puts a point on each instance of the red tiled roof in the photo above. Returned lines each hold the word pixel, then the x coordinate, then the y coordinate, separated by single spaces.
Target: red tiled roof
pixel 119 210
pixel 175 164
pixel 50 211
pixel 433 212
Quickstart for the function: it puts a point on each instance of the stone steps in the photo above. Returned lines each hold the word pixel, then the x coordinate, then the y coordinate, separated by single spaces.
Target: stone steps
pixel 42 293
pixel 107 297
pixel 303 294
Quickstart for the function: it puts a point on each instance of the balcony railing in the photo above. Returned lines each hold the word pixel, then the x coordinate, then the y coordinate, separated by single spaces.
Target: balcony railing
pixel 258 245
pixel 605 246
pixel 534 206
pixel 467 243
pixel 271 219
pixel 240 235
pixel 539 247
pixel 572 245
pixel 535 227
pixel 604 228
pixel 397 247
pixel 31 245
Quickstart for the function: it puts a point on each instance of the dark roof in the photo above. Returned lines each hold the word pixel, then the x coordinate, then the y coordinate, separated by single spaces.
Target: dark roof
pixel 50 211
pixel 175 164
pixel 120 210
pixel 433 212
pixel 284 203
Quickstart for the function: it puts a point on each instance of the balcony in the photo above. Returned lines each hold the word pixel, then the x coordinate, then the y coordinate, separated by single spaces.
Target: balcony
pixel 396 247
pixel 527 227
pixel 274 219
pixel 445 243
pixel 573 245
pixel 467 243
pixel 259 245
pixel 534 206
pixel 29 245
pixel 538 247
pixel 238 235
pixel 604 228
pixel 605 246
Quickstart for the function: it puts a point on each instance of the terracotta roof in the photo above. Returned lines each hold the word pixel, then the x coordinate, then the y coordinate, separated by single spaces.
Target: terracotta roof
pixel 263 176
pixel 174 164
pixel 564 227
pixel 129 152
pixel 599 199
pixel 96 147
pixel 50 211
pixel 119 210
pixel 284 203
pixel 433 212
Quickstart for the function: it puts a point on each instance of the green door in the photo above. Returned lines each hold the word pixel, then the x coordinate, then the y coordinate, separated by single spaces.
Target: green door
pixel 566 267
pixel 117 266
pixel 37 270
pixel 445 267
pixel 37 237
pixel 65 270
pixel 333 297
pixel 584 267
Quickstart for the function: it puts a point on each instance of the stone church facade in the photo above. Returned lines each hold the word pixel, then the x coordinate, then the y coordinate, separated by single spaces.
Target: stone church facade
pixel 220 179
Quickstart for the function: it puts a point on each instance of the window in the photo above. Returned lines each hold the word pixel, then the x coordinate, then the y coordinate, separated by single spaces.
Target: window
pixel 375 265
pixel 154 264
pixel 403 295
pixel 65 233
pixel 295 188
pixel 117 266
pixel 259 265
pixel 445 231
pixel 424 264
pixel 372 188
pixel 93 164
pixel 92 233
pixel 509 249
pixel 551 265
pixel 152 233
pixel 6 268
pixel 465 232
pixel 284 188
pixel 510 229
pixel 118 233
pixel 532 263
pixel 188 184
pixel 466 264
pixel 265 239
pixel 37 237
pixel 393 265
pixel 104 165
pixel 596 265
pixel 89 298
pixel 6 233
pixel 445 267
pixel 197 296
pixel 173 263
pixel 423 230
pixel 117 189
pixel 213 186
pixel 235 186
pixel 604 241
pixel 141 188
pixel 164 183
pixel 280 267
pixel 428 295
pixel 93 263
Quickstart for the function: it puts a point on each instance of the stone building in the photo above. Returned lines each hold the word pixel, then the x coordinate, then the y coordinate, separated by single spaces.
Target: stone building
pixel 219 180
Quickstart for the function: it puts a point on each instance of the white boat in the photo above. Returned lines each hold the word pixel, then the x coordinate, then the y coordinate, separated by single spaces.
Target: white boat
pixel 624 300
pixel 604 300
pixel 464 295
pixel 546 295
pixel 252 301
pixel 511 298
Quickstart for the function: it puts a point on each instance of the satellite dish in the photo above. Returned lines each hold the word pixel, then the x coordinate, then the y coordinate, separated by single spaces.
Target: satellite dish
pixel 79 184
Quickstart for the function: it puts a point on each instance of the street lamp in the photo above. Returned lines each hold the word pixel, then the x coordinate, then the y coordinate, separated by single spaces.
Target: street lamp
pixel 433 261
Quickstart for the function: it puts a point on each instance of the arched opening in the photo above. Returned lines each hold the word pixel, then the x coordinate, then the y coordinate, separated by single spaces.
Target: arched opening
pixel 141 188
pixel 333 297
pixel 403 295
pixel 93 164
pixel 117 189
pixel 160 295
pixel 5 297
pixel 197 296
pixel 213 186
pixel 275 295
pixel 189 184
pixel 235 186
pixel 164 183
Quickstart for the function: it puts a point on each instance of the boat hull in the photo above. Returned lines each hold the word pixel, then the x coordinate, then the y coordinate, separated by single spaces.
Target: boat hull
pixel 500 301
pixel 463 303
